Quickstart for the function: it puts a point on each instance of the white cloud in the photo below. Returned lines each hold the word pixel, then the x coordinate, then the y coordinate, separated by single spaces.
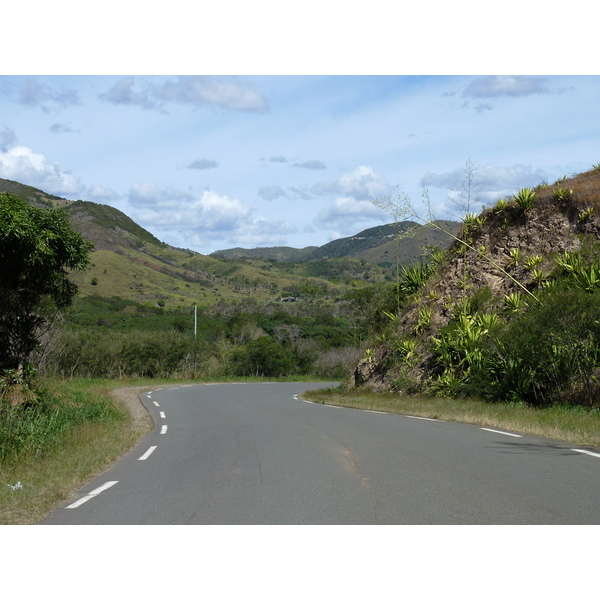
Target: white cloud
pixel 21 164
pixel 311 164
pixel 363 183
pixel 122 92
pixel 272 192
pixel 229 93
pixel 505 85
pixel 33 93
pixel 494 181
pixel 203 163
pixel 489 184
pixel 100 194
pixel 346 213
pixel 232 93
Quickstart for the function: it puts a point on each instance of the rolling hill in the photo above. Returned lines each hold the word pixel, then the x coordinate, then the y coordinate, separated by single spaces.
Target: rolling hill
pixel 131 263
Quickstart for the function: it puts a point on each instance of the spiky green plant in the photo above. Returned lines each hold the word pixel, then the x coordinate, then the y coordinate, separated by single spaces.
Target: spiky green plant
pixel 561 195
pixel 514 257
pixel 585 214
pixel 533 261
pixel 501 205
pixel 413 277
pixel 525 199
pixel 538 276
pixel 425 315
pixel 569 261
pixel 405 349
pixel 514 301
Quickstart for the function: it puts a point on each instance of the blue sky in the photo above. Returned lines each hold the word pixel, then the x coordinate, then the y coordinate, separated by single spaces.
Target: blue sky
pixel 288 123
pixel 212 162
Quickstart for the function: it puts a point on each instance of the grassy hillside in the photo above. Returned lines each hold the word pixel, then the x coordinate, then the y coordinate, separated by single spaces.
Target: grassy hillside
pixel 131 263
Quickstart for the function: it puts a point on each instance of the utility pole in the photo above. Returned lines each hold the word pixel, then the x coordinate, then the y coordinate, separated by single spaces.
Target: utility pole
pixel 195 336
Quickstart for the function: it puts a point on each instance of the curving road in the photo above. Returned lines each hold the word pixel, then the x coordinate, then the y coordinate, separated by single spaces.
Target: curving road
pixel 259 454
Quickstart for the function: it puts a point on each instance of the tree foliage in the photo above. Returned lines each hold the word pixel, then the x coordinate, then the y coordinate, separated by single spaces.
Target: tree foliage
pixel 37 247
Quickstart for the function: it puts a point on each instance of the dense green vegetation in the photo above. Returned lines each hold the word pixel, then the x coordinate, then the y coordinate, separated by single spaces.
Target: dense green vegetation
pixel 37 247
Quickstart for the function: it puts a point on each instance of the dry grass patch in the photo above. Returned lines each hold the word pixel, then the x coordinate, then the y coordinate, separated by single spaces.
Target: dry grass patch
pixel 574 425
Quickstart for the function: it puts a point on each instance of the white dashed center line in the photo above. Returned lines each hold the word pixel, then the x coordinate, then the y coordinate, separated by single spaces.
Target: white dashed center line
pixel 92 494
pixel 147 453
pixel 586 452
pixel 502 432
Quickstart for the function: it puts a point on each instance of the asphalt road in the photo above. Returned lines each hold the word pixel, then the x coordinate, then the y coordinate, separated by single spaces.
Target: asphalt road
pixel 259 454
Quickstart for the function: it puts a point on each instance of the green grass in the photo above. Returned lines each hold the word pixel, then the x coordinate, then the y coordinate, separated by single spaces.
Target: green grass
pixel 85 431
pixel 575 425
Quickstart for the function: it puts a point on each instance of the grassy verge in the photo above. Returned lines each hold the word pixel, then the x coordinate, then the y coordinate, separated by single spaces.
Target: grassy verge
pixel 97 428
pixel 574 425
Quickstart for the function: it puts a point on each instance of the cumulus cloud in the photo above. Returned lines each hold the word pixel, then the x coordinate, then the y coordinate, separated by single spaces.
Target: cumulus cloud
pixel 21 164
pixel 228 93
pixel 210 212
pixel 100 194
pixel 183 219
pixel 262 232
pixel 345 214
pixel 203 163
pixel 505 85
pixel 363 183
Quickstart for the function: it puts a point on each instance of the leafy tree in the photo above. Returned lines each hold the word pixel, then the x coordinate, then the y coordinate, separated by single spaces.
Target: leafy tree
pixel 37 246
pixel 264 357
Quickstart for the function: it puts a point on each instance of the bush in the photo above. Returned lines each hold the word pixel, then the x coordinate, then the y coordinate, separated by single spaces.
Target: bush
pixel 548 354
pixel 264 357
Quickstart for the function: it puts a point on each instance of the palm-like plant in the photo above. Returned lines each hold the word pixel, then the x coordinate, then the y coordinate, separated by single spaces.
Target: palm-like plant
pixel 514 257
pixel 525 199
pixel 533 261
pixel 514 301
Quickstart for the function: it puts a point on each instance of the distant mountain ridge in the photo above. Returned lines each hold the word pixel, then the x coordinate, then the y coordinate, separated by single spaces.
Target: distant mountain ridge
pixel 375 244
pixel 130 263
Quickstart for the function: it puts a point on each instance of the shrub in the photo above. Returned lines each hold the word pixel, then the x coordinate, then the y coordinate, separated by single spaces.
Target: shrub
pixel 549 353
pixel 263 357
pixel 525 199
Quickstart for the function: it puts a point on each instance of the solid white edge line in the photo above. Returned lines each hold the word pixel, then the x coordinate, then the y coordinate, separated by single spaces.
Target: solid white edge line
pixel 92 494
pixel 420 418
pixel 164 429
pixel 502 432
pixel 148 453
pixel 586 452
pixel 162 415
pixel 377 412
